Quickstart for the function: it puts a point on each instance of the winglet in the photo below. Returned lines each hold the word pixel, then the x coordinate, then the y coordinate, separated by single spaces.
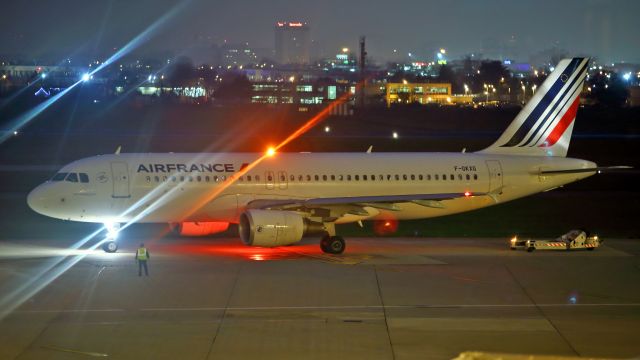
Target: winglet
pixel 369 149
pixel 118 149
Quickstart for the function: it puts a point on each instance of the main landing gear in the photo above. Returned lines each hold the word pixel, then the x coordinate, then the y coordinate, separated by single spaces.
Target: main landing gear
pixel 332 244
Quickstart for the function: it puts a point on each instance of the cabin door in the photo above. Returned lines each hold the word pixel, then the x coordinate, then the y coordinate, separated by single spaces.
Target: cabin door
pixel 495 176
pixel 120 176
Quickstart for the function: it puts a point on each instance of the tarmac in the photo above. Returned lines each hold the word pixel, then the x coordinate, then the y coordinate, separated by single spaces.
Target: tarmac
pixel 385 298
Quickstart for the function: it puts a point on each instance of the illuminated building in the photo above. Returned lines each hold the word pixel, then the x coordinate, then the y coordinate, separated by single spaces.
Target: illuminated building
pixel 441 57
pixel 423 93
pixel 293 42
pixel 343 61
pixel 296 93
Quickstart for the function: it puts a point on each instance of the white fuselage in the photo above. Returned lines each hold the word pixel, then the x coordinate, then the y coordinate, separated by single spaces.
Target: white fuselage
pixel 207 187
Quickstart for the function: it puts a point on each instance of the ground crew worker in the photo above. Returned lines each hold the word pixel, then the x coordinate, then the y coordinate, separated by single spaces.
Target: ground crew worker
pixel 142 255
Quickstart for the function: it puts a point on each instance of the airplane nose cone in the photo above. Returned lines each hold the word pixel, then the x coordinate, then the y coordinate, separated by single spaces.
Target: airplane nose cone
pixel 36 200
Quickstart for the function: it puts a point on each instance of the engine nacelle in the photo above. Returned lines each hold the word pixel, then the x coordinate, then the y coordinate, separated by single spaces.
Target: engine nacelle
pixel 199 228
pixel 269 228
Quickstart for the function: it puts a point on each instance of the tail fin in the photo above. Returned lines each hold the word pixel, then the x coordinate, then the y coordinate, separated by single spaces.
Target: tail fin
pixel 543 127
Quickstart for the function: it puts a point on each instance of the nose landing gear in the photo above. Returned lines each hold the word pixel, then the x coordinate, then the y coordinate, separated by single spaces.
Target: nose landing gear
pixel 110 245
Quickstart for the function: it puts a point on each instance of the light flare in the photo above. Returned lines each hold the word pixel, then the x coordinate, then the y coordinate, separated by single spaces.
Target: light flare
pixel 25 118
pixel 301 130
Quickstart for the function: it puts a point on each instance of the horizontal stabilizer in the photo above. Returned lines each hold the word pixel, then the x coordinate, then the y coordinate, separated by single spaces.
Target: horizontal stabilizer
pixel 577 171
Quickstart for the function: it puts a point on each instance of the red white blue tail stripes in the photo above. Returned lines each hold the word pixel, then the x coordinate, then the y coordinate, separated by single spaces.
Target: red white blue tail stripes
pixel 544 125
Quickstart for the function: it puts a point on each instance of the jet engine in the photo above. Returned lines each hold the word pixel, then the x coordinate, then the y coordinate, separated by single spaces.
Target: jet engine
pixel 269 228
pixel 199 228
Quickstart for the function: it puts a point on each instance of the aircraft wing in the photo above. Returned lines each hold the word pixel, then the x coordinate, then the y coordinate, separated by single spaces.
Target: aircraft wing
pixel 386 202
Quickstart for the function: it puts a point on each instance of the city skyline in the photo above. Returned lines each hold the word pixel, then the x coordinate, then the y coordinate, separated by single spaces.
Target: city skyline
pixel 604 29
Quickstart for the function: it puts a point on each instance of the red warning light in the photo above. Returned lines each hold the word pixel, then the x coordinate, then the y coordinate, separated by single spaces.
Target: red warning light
pixel 385 227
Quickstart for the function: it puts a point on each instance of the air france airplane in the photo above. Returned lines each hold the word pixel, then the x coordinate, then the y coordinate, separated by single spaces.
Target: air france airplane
pixel 279 199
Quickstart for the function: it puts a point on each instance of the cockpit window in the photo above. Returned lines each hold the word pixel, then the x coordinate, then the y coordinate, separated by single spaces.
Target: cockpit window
pixel 59 176
pixel 72 177
pixel 84 177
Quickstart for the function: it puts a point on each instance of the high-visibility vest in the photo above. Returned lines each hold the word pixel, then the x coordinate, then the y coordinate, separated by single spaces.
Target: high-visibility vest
pixel 142 254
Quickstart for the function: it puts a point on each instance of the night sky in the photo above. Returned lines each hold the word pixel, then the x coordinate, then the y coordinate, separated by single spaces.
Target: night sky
pixel 609 30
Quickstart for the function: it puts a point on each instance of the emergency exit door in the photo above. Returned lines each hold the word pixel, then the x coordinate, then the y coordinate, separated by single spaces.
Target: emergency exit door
pixel 495 176
pixel 120 176
pixel 269 180
pixel 282 180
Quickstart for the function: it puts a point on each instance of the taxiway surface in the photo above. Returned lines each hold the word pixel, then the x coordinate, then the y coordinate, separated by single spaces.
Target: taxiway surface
pixel 392 298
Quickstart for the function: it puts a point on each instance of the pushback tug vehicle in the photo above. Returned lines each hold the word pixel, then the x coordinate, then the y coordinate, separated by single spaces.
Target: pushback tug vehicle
pixel 573 240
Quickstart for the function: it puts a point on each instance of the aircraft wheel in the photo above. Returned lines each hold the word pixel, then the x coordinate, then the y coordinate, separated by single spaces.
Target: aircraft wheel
pixel 110 246
pixel 324 243
pixel 335 245
pixel 530 249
